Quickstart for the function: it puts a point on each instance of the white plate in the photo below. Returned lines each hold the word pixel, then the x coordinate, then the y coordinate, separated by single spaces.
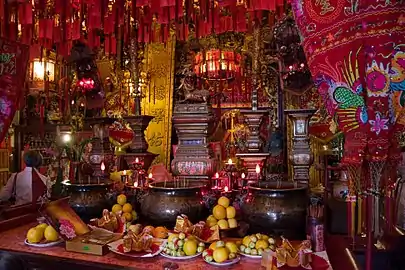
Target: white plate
pixel 44 245
pixel 226 263
pixel 180 258
pixel 114 248
pixel 250 256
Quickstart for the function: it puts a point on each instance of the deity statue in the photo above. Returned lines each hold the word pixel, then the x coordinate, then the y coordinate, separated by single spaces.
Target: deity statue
pixel 188 87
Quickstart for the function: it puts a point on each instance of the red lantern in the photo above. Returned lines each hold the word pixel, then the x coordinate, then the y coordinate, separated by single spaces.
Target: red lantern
pixel 217 64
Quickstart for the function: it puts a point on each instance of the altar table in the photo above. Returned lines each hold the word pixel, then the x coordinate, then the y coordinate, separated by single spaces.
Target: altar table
pixel 57 258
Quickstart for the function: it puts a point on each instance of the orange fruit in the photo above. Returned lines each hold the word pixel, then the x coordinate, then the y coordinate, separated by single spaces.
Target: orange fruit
pixel 127 216
pixel 121 199
pixel 148 229
pixel 219 212
pixel 213 246
pixel 221 254
pixel 116 208
pixel 160 232
pixel 224 201
pixel 127 208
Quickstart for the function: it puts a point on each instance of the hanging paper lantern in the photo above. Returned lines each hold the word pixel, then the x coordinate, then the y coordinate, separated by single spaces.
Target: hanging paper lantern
pixel 217 64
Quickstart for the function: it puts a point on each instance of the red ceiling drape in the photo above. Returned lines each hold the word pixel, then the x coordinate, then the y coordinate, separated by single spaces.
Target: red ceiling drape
pixel 61 22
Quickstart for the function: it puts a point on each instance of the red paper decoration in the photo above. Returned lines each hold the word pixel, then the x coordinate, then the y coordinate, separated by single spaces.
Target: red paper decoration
pixel 95 21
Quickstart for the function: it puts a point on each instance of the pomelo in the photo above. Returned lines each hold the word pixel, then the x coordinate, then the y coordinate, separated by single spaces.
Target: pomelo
pixel 219 212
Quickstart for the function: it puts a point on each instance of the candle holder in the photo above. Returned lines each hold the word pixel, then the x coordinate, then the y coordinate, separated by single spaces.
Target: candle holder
pixel 231 171
pixel 124 178
pixel 215 182
pixel 139 177
pixel 243 181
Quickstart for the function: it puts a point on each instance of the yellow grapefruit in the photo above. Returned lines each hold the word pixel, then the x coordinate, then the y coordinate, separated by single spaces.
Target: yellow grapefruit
pixel 127 208
pixel 230 212
pixel 219 212
pixel 224 201
pixel 220 254
pixel 34 235
pixel 223 224
pixel 116 208
pixel 121 199
pixel 51 234
pixel 190 247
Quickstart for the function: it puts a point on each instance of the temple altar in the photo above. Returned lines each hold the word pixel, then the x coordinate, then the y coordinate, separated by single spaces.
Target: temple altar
pixel 167 134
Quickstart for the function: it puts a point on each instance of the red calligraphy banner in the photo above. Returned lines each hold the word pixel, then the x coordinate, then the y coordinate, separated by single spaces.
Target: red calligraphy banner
pixel 13 65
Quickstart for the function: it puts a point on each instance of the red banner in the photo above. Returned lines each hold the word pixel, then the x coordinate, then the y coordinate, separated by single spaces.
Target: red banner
pixel 13 66
pixel 356 53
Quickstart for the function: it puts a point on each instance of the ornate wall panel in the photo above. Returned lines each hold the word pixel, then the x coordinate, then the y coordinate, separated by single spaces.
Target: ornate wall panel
pixel 158 98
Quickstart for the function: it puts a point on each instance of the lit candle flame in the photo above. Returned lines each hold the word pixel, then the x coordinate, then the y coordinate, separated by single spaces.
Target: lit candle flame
pixel 150 176
pixel 217 175
pixel 137 160
pixel 136 184
pixel 257 168
pixel 125 172
pixel 102 166
pixel 226 189
pixel 243 175
pixel 229 161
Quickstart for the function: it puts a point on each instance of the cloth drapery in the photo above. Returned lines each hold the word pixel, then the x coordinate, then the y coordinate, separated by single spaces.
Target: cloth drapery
pixel 356 53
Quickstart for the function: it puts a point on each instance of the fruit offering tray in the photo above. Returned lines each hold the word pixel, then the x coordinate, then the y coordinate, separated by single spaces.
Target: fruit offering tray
pixel 13 240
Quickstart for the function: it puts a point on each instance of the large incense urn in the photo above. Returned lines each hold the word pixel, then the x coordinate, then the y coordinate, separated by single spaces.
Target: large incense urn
pixel 89 183
pixel 88 200
pixel 278 208
pixel 166 200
